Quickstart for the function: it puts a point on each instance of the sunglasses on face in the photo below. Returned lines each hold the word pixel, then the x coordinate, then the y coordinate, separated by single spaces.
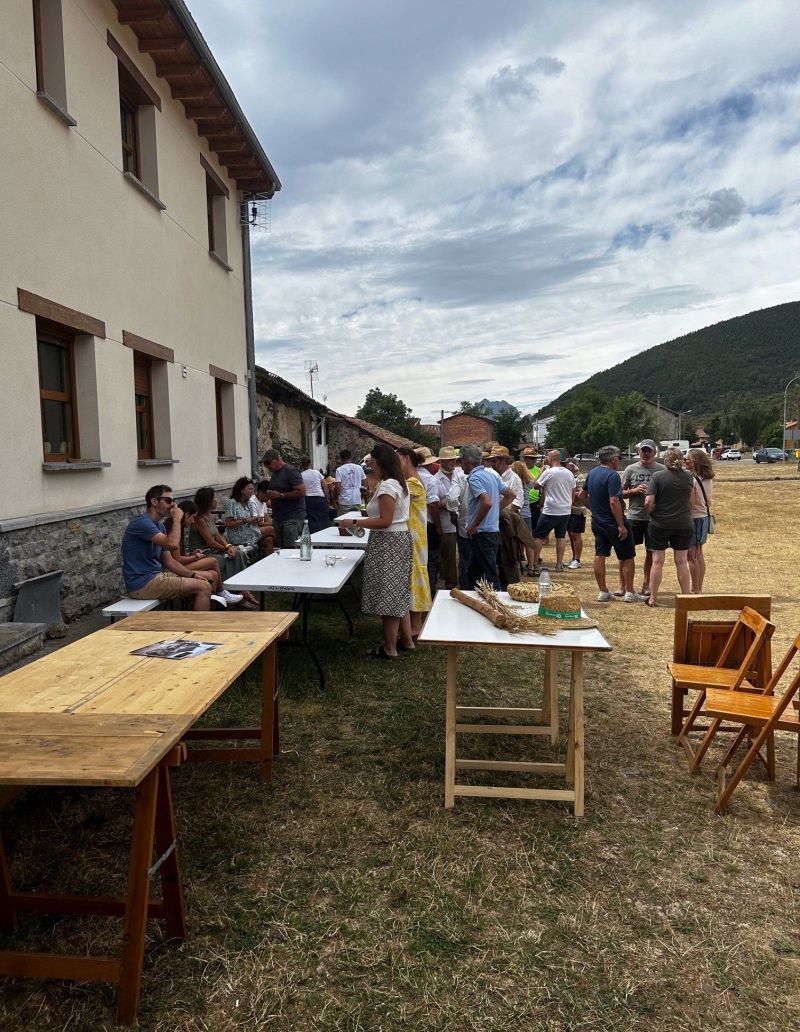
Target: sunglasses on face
pixel 168 499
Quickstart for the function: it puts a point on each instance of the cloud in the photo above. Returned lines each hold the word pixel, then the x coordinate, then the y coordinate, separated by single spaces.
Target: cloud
pixel 544 182
pixel 718 210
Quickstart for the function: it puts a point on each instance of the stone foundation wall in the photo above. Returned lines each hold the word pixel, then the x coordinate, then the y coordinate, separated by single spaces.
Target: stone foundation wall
pixel 343 435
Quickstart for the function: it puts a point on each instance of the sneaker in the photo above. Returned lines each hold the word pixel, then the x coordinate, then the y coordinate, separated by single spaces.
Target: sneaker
pixel 230 598
pixel 631 596
pixel 645 592
pixel 220 601
pixel 559 568
pixel 574 564
pixel 605 596
pixel 619 594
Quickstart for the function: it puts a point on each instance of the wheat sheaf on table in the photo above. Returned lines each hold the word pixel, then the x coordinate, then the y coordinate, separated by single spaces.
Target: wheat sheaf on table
pixel 512 619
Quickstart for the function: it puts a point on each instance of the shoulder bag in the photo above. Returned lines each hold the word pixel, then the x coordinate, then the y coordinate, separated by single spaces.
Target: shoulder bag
pixel 712 523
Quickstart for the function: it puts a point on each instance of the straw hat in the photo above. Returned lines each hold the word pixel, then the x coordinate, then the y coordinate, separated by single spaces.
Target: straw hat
pixel 500 452
pixel 426 456
pixel 528 453
pixel 447 453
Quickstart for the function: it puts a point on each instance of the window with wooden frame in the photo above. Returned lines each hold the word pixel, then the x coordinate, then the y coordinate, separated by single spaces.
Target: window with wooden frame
pixel 57 395
pixel 48 43
pixel 143 399
pixel 219 405
pixel 129 126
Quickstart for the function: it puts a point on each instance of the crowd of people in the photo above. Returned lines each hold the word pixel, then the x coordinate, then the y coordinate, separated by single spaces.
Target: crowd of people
pixel 436 521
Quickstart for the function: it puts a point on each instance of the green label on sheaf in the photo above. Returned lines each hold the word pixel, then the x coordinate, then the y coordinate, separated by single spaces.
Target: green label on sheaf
pixel 557 615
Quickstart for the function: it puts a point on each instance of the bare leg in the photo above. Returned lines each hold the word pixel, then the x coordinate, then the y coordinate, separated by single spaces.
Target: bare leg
pixel 682 569
pixel 391 627
pixel 561 543
pixel 626 570
pixel 697 568
pixel 600 572
pixel 405 631
pixel 648 565
pixel 576 543
pixel 656 574
pixel 201 590
pixel 209 565
pixel 538 545
pixel 416 623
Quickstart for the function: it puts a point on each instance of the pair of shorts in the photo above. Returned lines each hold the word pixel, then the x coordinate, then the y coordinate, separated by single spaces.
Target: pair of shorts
pixel 639 531
pixel 659 539
pixel 558 524
pixel 164 586
pixel 606 538
pixel 576 524
pixel 700 531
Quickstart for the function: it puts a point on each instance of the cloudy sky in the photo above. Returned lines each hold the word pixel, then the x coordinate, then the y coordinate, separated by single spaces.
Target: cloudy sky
pixel 499 200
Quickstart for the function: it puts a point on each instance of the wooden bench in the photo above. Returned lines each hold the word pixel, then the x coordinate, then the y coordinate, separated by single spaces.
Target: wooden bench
pixel 129 607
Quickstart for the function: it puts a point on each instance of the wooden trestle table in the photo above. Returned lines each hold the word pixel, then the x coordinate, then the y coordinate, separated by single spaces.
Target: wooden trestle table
pixel 92 714
pixel 458 628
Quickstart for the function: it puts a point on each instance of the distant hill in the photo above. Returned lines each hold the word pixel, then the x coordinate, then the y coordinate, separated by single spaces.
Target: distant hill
pixel 754 354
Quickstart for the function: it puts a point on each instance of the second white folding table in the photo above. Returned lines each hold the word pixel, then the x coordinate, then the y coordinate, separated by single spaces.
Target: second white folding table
pixel 305 579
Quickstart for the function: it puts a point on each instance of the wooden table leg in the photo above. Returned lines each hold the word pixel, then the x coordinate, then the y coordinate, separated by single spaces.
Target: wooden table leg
pixel 166 844
pixel 450 727
pixel 132 959
pixel 550 694
pixel 269 710
pixel 576 706
pixel 8 915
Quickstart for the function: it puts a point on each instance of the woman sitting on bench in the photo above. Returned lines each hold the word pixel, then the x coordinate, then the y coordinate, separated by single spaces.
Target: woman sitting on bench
pixel 206 538
pixel 197 560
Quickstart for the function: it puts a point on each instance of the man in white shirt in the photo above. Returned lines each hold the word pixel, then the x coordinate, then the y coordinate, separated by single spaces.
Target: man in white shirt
pixel 349 478
pixel 501 461
pixel 446 527
pixel 559 491
pixel 427 458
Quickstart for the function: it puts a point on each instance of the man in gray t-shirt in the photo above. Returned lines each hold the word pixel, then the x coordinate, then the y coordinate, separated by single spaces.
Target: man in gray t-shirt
pixel 635 481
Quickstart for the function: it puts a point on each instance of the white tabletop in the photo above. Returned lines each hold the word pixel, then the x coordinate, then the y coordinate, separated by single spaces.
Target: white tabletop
pixel 355 515
pixel 451 623
pixel 331 538
pixel 287 572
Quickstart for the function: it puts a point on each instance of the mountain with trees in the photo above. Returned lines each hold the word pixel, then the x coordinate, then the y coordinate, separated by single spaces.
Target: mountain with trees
pixel 732 364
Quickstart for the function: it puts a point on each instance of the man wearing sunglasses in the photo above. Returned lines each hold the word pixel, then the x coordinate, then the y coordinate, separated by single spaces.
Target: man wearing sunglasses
pixel 148 568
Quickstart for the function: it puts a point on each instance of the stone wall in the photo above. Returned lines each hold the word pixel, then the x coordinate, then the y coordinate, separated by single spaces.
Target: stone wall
pixel 343 435
pixel 282 421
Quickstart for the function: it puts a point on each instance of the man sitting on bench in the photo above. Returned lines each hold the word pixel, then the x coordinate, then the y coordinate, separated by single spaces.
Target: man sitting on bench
pixel 148 568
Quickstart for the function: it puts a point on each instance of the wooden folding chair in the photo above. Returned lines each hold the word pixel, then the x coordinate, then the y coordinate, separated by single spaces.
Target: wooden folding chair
pixel 760 715
pixel 749 624
pixel 699 640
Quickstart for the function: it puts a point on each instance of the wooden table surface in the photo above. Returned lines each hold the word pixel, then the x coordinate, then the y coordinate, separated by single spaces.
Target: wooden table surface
pixel 93 714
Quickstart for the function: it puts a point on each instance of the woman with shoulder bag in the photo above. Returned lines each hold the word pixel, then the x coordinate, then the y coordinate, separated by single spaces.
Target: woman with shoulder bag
pixel 700 466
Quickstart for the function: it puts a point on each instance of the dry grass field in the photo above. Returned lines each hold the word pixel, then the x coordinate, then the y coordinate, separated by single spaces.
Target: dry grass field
pixel 345 898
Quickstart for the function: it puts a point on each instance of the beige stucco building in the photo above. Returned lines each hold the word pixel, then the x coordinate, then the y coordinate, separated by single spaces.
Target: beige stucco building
pixel 124 272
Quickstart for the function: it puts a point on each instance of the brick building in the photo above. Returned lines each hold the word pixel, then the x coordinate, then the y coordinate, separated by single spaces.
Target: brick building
pixel 462 429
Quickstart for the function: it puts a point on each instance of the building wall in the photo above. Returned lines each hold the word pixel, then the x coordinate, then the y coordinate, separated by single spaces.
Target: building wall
pixel 280 420
pixel 75 231
pixel 666 420
pixel 344 436
pixel 457 430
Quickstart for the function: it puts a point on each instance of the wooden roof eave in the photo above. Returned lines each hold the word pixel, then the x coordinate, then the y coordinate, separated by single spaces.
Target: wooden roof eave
pixel 168 35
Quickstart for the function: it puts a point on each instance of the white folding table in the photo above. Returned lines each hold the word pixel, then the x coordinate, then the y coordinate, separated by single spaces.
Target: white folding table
pixel 356 514
pixel 331 538
pixel 457 627
pixel 287 572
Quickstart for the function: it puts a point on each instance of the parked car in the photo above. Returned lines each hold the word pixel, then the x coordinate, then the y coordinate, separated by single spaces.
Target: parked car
pixel 769 455
pixel 731 454
pixel 584 457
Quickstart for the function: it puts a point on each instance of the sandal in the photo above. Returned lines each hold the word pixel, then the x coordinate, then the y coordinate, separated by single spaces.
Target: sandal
pixel 651 604
pixel 405 648
pixel 379 652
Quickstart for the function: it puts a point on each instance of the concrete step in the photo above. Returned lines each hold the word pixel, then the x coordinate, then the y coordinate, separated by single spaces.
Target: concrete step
pixel 19 640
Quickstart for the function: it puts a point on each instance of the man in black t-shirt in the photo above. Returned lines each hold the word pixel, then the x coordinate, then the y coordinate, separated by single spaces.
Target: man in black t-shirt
pixel 287 496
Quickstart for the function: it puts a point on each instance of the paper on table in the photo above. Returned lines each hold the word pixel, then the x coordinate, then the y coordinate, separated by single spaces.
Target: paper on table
pixel 176 648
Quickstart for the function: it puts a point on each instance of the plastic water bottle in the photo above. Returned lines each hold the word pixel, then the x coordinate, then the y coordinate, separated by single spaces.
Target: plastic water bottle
pixel 305 543
pixel 356 530
pixel 544 584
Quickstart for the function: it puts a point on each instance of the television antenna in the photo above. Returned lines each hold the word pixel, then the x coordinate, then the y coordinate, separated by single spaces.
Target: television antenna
pixel 311 369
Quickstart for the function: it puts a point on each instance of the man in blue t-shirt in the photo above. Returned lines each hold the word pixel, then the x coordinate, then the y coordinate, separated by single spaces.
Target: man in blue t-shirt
pixel 602 492
pixel 487 495
pixel 148 567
